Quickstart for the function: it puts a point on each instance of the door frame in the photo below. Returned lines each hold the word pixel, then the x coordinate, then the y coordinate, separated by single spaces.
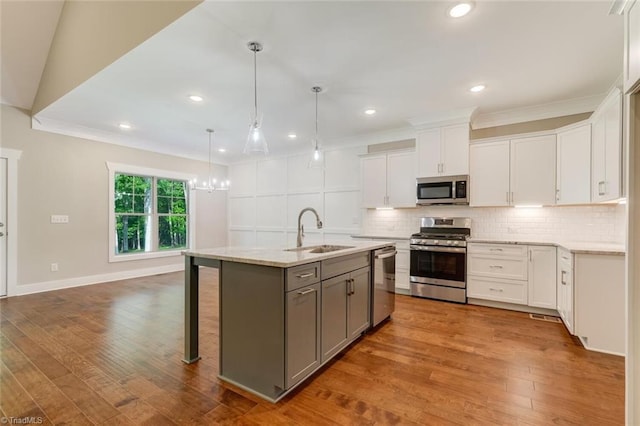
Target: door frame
pixel 12 156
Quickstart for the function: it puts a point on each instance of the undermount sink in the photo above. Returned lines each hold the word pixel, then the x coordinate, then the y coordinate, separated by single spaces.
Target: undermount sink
pixel 324 248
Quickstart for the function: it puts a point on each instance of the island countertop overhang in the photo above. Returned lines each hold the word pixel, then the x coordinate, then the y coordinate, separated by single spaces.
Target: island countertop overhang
pixel 279 256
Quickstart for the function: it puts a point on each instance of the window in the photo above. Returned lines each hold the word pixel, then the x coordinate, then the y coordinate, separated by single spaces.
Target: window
pixel 150 213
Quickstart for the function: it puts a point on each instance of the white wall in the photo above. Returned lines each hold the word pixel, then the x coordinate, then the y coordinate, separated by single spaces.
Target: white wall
pixel 267 195
pixel 58 174
pixel 596 223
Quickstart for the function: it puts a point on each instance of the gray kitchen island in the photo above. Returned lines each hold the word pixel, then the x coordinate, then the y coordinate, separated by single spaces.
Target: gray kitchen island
pixel 283 313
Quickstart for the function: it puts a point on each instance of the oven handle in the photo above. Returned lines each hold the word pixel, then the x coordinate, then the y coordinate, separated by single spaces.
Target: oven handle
pixel 439 249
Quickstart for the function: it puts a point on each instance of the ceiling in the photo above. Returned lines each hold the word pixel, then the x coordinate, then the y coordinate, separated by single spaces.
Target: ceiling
pixel 408 60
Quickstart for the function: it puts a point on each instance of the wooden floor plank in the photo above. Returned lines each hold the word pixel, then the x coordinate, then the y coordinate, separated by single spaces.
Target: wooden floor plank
pixel 112 354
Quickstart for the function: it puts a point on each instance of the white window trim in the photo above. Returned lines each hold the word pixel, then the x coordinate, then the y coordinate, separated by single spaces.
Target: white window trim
pixel 145 171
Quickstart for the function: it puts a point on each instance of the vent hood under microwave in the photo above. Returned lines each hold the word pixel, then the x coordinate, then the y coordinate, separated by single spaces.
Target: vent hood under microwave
pixel 442 190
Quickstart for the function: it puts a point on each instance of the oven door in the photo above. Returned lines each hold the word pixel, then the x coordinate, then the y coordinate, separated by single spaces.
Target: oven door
pixel 438 265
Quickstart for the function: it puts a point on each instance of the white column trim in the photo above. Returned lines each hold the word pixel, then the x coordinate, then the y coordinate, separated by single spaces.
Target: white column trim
pixel 12 157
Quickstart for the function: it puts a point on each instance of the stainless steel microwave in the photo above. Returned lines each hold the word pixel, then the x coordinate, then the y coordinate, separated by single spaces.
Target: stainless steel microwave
pixel 442 190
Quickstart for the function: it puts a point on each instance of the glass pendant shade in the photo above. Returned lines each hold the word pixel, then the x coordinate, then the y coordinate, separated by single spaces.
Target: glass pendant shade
pixel 317 157
pixel 256 142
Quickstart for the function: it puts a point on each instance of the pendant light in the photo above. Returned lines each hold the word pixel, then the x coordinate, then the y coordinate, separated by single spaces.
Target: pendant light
pixel 210 184
pixel 256 143
pixel 316 155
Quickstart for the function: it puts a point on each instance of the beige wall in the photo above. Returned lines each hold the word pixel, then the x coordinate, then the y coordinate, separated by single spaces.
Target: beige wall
pixel 59 174
pixel 528 127
pixel 93 34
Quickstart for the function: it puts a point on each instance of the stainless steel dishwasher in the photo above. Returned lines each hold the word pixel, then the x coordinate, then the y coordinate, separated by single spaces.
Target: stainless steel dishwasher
pixel 383 296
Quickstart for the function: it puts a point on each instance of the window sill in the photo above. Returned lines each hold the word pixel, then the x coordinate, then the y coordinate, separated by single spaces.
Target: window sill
pixel 114 258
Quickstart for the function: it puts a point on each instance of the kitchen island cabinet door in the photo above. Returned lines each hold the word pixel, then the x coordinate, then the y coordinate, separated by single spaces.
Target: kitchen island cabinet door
pixel 358 320
pixel 303 333
pixel 489 174
pixel 334 315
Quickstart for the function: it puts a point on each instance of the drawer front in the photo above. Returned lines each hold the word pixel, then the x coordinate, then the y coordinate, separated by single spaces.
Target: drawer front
pixel 498 290
pixel 497 267
pixel 341 265
pixel 303 275
pixel 510 250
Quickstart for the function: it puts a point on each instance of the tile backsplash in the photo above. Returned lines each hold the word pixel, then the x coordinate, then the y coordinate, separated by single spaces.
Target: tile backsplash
pixel 597 223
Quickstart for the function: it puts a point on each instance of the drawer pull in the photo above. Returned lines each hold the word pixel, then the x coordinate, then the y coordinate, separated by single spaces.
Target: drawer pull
pixel 495 249
pixel 307 291
pixel 496 289
pixel 495 266
pixel 307 275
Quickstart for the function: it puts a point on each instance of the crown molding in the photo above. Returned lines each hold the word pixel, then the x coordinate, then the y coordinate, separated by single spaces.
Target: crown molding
pixel 83 132
pixel 537 112
pixel 443 118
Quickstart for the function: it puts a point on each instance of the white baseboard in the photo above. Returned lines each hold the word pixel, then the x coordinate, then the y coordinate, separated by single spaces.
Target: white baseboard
pixel 24 289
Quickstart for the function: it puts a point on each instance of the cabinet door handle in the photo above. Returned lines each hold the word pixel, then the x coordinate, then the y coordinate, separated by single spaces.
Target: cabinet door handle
pixel 530 255
pixel 307 291
pixel 557 195
pixel 499 290
pixel 512 199
pixel 507 197
pixel 602 190
pixel 495 266
pixel 563 278
pixel 305 275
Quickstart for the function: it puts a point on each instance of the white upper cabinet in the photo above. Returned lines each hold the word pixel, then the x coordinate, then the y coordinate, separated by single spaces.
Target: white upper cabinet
pixel 516 172
pixel 606 149
pixel 489 174
pixel 401 179
pixel 573 179
pixel 443 151
pixel 631 45
pixel 533 170
pixel 389 180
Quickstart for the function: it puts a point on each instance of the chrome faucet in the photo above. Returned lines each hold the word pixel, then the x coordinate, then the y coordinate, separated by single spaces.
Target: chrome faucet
pixel 301 227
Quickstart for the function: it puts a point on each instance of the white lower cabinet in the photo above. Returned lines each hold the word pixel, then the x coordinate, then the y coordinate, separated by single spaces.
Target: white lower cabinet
pixel 402 266
pixel 512 273
pixel 542 277
pixel 599 286
pixel 564 294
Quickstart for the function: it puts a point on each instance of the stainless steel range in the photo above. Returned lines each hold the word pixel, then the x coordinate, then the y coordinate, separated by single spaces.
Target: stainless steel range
pixel 439 259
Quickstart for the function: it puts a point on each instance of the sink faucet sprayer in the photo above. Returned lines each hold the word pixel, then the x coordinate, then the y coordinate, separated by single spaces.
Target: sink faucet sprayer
pixel 301 227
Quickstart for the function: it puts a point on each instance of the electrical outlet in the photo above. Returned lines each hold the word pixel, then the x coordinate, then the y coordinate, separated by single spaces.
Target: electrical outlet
pixel 59 218
pixel 54 267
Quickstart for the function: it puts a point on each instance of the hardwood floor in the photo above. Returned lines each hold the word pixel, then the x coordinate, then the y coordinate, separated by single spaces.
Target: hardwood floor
pixel 112 354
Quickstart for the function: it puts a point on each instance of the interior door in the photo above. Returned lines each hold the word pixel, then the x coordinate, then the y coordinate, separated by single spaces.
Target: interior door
pixel 3 226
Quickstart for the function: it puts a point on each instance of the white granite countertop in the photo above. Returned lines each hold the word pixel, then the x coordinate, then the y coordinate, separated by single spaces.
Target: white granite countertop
pixel 578 247
pixel 280 257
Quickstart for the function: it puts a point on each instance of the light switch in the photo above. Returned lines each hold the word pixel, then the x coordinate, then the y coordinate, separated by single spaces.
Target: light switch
pixel 59 218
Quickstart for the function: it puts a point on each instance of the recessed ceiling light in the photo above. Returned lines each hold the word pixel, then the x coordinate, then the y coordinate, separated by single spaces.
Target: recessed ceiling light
pixel 222 150
pixel 370 111
pixel 125 126
pixel 478 88
pixel 196 98
pixel 292 136
pixel 460 9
